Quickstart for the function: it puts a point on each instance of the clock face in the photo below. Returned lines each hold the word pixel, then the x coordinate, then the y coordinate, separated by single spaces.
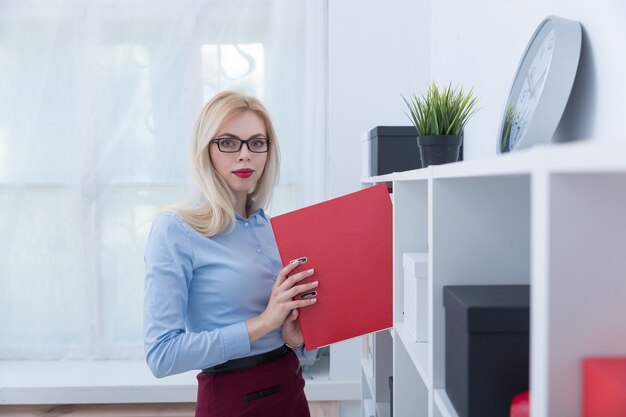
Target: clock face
pixel 532 85
pixel 536 73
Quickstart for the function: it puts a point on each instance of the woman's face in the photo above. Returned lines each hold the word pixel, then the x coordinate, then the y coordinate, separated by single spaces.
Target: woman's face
pixel 242 169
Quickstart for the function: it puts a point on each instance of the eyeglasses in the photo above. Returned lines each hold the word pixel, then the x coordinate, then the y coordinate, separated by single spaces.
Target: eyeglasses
pixel 233 145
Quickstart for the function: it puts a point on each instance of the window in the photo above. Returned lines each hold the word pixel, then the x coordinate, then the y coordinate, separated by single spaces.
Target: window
pixel 97 108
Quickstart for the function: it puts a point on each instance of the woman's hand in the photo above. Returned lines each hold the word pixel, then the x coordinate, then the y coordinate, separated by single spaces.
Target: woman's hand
pixel 281 302
pixel 291 330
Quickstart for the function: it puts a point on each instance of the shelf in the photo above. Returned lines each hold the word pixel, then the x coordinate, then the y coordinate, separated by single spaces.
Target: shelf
pixel 418 352
pixel 560 158
pixel 377 179
pixel 549 216
pixel 375 375
pixel 586 157
pixel 578 286
pixel 411 395
pixel 517 163
pixel 443 404
pixel 415 174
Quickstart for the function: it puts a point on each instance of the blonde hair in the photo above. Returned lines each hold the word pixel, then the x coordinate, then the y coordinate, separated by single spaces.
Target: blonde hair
pixel 215 214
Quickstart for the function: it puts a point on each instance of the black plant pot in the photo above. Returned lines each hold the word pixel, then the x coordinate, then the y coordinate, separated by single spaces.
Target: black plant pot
pixel 437 150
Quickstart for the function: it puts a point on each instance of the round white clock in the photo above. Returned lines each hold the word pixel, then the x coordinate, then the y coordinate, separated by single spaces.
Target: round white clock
pixel 542 85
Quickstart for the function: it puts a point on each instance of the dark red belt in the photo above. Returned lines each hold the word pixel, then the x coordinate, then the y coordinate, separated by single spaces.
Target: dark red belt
pixel 247 362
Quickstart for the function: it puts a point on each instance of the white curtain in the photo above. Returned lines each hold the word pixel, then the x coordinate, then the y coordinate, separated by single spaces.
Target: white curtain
pixel 97 104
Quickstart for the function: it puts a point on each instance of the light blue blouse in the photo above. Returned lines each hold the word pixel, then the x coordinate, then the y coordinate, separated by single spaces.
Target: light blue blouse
pixel 199 291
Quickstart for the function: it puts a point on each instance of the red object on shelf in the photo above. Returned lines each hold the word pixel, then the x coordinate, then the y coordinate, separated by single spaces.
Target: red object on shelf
pixel 604 387
pixel 520 406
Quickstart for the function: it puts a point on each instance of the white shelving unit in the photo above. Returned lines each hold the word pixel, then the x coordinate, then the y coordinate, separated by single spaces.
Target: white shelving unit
pixel 552 217
pixel 377 361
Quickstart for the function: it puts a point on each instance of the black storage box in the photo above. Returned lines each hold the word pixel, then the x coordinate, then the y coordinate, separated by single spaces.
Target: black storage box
pixel 487 347
pixel 394 149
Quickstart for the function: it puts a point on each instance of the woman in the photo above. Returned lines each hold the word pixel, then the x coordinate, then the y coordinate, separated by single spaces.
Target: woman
pixel 216 297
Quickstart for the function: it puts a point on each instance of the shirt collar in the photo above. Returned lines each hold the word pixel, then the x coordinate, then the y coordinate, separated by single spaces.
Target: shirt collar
pixel 260 212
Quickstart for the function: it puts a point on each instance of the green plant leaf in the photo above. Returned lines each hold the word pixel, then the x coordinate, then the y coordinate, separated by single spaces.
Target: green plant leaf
pixel 443 111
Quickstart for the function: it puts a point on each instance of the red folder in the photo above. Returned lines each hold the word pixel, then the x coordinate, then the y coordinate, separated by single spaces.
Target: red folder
pixel 348 241
pixel 604 387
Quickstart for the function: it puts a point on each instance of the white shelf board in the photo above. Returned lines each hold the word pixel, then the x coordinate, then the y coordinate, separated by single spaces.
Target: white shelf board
pixel 418 353
pixel 443 404
pixel 378 179
pixel 130 381
pixel 414 174
pixel 515 163
pixel 578 157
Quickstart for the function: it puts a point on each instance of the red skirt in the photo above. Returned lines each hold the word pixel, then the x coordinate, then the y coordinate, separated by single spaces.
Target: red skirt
pixel 273 389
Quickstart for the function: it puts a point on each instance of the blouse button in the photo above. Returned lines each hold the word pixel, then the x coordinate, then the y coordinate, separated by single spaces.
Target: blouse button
pixel 246 224
pixel 259 250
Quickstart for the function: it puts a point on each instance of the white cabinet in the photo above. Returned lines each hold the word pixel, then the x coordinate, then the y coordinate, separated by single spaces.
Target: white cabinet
pixel 552 217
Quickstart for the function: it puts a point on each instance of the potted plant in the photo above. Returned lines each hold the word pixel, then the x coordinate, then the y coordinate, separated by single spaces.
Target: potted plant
pixel 439 117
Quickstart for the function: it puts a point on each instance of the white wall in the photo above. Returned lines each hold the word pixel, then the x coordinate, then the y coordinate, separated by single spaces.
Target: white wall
pixel 485 40
pixel 378 50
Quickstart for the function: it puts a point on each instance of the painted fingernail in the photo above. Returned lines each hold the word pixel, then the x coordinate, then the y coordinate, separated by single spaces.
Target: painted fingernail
pixel 315 283
pixel 310 271
pixel 309 294
pixel 299 260
pixel 313 300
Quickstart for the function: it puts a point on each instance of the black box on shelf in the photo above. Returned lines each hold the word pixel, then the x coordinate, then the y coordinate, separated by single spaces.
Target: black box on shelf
pixel 487 347
pixel 393 149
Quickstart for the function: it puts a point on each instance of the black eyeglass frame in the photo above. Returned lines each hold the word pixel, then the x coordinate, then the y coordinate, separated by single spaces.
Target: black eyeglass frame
pixel 241 142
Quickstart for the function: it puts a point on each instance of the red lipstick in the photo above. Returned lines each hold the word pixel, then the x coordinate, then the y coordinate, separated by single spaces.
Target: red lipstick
pixel 243 173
